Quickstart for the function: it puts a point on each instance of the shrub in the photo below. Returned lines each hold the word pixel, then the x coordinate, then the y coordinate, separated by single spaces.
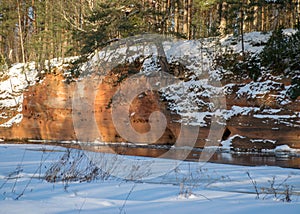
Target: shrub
pixel 273 52
pixel 245 65
pixel 281 55
pixel 294 90
pixel 3 64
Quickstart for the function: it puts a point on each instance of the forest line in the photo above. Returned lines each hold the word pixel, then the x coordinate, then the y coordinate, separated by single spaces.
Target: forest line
pixel 39 30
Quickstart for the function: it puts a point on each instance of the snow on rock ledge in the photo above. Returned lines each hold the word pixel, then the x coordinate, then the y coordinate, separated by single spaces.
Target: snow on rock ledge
pixel 257 115
pixel 15 120
pixel 13 82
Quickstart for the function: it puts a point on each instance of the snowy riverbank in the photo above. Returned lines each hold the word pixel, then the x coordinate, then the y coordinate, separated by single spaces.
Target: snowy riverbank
pixel 186 188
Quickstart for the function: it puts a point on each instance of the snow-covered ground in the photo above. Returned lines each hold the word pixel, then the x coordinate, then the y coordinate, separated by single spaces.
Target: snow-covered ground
pixel 189 187
pixel 169 187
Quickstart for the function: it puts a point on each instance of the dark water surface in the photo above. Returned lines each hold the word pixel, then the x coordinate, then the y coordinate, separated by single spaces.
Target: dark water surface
pixel 290 160
pixel 247 158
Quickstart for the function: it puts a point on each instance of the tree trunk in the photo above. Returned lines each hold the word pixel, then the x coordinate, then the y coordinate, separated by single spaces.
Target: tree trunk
pixel 242 25
pixel 21 32
pixel 189 20
pixel 263 17
pixel 176 17
pixel 185 17
pixel 222 18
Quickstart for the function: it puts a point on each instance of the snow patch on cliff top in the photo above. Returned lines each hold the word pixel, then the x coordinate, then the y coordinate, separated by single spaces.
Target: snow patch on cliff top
pixel 13 82
pixel 194 99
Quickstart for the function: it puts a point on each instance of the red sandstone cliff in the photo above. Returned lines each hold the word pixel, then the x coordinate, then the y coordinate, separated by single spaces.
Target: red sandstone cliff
pixel 47 114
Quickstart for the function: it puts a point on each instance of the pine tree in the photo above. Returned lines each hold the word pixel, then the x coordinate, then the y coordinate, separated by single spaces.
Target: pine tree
pixel 273 53
pixel 112 20
pixel 32 30
pixel 8 18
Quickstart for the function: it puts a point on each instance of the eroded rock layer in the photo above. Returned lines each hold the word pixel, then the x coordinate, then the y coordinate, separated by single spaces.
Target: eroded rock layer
pixel 49 113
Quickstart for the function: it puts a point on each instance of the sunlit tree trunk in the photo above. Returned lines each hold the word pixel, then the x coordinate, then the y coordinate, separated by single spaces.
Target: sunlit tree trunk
pixel 176 17
pixel 20 32
pixel 263 19
pixel 242 23
pixel 298 12
pixel 256 18
pixel 222 18
pixel 189 19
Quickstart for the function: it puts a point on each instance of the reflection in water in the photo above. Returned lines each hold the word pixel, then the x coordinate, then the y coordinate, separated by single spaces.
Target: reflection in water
pixel 291 160
pixel 256 159
pixel 238 158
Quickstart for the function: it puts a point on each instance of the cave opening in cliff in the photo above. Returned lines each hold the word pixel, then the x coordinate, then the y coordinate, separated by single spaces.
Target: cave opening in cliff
pixel 226 134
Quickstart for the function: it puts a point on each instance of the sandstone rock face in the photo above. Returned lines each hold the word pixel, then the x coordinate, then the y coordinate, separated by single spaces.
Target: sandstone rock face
pixel 49 114
pixel 271 121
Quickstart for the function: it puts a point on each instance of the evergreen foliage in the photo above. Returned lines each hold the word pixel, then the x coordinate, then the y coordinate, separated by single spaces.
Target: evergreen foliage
pixel 33 30
pixel 111 20
pixel 3 64
pixel 280 56
pixel 273 54
pixel 294 90
pixel 282 53
pixel 241 65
